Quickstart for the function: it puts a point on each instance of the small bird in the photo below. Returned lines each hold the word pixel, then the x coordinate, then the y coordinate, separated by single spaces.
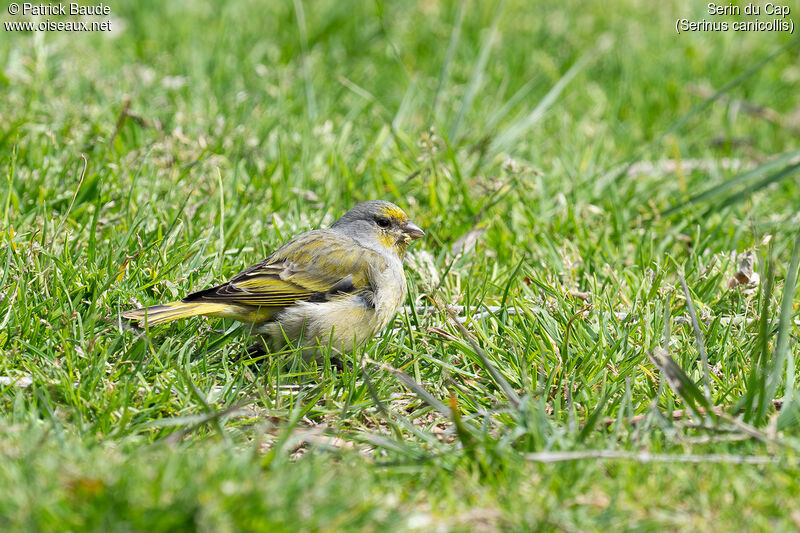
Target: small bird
pixel 339 286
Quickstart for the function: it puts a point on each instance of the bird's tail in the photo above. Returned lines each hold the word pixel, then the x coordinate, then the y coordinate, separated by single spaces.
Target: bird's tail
pixel 159 314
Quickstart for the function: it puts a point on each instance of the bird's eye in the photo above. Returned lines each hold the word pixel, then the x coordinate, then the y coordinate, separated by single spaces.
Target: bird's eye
pixel 382 222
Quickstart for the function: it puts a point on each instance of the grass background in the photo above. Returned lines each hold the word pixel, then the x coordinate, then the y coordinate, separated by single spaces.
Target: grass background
pixel 569 162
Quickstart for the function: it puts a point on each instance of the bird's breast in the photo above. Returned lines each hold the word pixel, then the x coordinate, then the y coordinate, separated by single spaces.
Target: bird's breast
pixel 345 322
pixel 389 287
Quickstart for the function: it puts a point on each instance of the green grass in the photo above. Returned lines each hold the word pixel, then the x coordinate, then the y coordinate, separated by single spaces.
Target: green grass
pixel 568 147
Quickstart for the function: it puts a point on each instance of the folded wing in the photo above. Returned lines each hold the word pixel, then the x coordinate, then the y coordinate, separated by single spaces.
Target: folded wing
pixel 314 266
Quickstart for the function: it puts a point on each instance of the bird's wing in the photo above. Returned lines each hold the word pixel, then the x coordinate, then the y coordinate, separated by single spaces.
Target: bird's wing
pixel 312 266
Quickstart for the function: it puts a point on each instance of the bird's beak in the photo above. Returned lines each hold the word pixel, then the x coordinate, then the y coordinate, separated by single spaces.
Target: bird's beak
pixel 413 231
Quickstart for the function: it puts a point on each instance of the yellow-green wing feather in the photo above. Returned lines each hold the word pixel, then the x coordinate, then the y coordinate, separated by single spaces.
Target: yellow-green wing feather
pixel 309 265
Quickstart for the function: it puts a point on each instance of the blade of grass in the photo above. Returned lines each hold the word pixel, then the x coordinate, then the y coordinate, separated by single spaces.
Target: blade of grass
pixel 698 337
pixel 681 384
pixel 521 126
pixel 591 422
pixel 703 105
pixel 311 100
pixel 739 179
pixel 498 378
pixel 756 381
pixel 415 387
pixel 75 194
pixel 647 457
pixel 210 409
pixel 477 73
pixel 12 165
pixel 784 326
pixel 757 186
pixel 455 36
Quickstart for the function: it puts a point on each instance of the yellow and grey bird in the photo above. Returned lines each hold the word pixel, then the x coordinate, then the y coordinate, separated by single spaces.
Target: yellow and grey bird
pixel 339 286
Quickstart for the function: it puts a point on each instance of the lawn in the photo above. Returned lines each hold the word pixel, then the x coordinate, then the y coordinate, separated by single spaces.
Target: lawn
pixel 602 321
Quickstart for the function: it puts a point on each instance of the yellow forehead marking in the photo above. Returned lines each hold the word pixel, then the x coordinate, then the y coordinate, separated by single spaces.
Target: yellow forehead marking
pixel 393 212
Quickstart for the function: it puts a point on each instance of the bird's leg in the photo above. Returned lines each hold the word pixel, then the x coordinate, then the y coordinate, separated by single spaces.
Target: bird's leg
pixel 339 361
pixel 338 364
pixel 254 354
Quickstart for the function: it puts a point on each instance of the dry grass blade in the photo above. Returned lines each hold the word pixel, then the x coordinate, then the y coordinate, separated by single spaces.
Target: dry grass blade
pixel 683 386
pixel 680 414
pixel 756 110
pixel 415 387
pixel 647 457
pixel 745 275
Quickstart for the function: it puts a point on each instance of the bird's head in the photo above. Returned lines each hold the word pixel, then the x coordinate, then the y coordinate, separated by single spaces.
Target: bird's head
pixel 382 223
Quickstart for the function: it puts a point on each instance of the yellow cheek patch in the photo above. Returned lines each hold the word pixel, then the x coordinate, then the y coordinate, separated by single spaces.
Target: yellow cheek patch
pixel 386 239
